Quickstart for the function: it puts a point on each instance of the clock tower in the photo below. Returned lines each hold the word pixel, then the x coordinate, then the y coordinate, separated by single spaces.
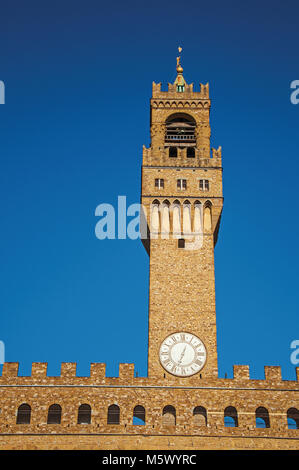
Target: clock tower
pixel 182 199
pixel 182 404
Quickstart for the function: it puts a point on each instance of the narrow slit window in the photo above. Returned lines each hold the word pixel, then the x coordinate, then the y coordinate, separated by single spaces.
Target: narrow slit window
pixel 181 243
pixel 190 152
pixel 173 152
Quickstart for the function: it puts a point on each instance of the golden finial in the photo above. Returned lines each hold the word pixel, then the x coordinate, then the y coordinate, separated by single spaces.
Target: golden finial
pixel 179 68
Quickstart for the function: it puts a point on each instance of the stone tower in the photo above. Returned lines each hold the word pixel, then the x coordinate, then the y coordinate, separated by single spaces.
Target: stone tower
pixel 181 403
pixel 182 197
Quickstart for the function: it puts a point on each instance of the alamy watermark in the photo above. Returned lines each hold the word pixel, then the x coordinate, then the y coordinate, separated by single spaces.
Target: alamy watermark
pixel 159 222
pixel 295 94
pixel 2 92
pixel 294 357
pixel 2 352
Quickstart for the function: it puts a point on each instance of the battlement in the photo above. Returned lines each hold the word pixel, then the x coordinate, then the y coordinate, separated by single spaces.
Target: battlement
pixel 241 377
pixel 67 373
pixel 187 93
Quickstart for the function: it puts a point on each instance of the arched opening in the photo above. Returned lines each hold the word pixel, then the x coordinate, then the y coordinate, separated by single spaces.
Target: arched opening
pixel 230 417
pixel 169 416
pixel 84 414
pixel 176 218
pixel 187 226
pixel 207 217
pixel 113 414
pixel 200 416
pixel 165 219
pixel 54 414
pixel 293 418
pixel 155 217
pixel 190 152
pixel 180 128
pixel 24 414
pixel 198 218
pixel 173 152
pixel 139 415
pixel 262 418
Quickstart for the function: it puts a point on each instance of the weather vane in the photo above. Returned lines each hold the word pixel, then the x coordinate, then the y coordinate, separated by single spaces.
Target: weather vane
pixel 178 65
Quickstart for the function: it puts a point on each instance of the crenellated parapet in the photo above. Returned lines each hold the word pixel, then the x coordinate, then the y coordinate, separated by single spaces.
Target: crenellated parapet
pixel 39 411
pixel 217 155
pixel 189 93
pixel 68 370
pixel 126 377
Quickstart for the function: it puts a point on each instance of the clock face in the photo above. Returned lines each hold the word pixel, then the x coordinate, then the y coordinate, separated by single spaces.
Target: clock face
pixel 182 354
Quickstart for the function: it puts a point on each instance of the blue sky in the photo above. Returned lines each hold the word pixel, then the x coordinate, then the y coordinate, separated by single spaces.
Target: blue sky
pixel 78 81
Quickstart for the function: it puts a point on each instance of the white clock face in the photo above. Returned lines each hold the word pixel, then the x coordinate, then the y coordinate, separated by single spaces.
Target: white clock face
pixel 182 354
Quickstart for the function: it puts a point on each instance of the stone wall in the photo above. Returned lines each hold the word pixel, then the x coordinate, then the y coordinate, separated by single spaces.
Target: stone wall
pixel 184 394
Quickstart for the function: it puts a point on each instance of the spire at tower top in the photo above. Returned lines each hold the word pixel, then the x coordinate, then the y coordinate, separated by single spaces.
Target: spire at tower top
pixel 179 81
pixel 179 68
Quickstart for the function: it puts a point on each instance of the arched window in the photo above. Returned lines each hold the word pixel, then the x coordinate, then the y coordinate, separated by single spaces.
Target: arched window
pixel 139 415
pixel 200 416
pixel 84 414
pixel 54 414
pixel 24 414
pixel 190 152
pixel 262 418
pixel 180 128
pixel 293 418
pixel 113 414
pixel 173 152
pixel 230 417
pixel 169 415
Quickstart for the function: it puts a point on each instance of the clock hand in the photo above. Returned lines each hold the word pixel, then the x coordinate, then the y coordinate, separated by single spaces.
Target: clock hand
pixel 182 355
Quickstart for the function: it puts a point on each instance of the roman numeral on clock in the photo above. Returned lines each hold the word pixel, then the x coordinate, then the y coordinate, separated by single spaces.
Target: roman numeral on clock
pixel 182 354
